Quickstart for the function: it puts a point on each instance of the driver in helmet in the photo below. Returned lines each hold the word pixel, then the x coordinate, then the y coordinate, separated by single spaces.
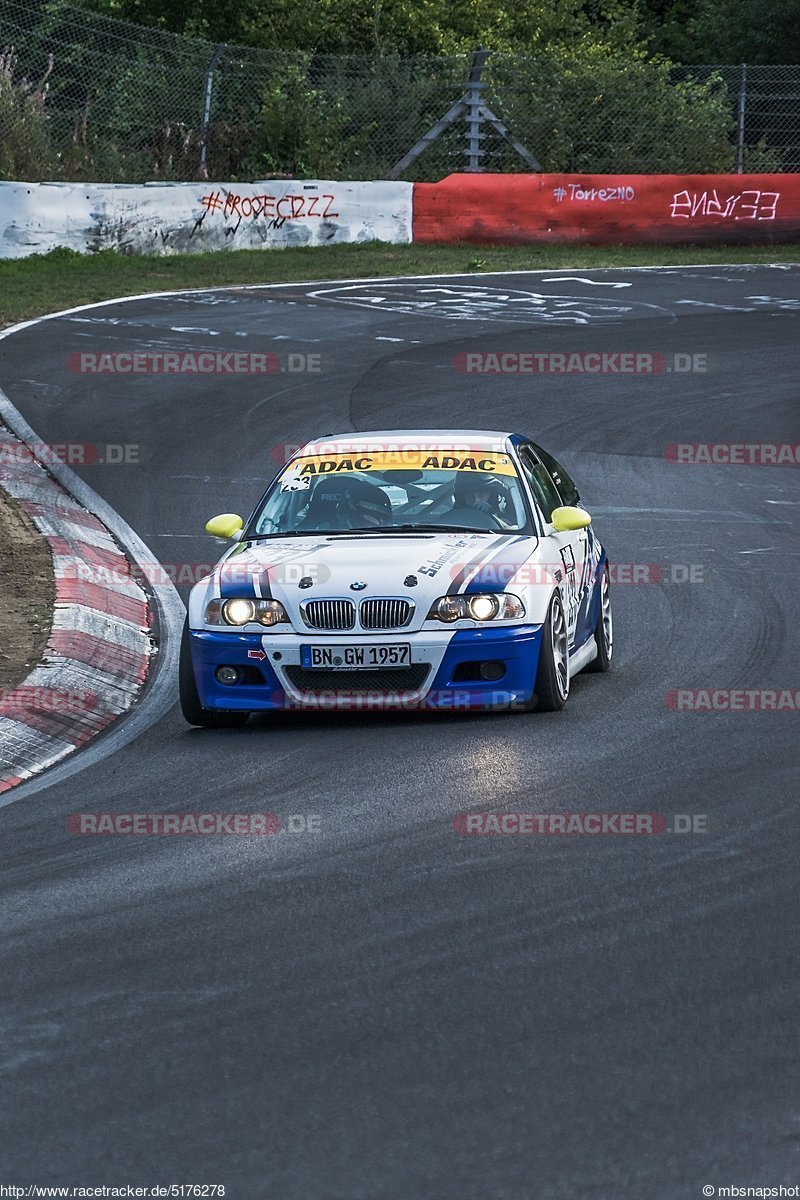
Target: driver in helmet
pixel 346 504
pixel 478 493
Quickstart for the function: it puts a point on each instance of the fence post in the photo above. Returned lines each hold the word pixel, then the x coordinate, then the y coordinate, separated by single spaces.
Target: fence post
pixel 471 106
pixel 473 115
pixel 208 85
pixel 740 121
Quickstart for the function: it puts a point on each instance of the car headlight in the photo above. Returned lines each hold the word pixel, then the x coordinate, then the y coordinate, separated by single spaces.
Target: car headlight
pixel 482 606
pixel 245 612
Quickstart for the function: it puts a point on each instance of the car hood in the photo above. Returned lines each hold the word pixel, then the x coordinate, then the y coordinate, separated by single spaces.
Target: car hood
pixel 420 566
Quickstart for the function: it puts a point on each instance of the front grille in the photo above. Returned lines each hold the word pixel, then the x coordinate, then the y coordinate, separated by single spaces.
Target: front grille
pixel 403 679
pixel 385 614
pixel 329 614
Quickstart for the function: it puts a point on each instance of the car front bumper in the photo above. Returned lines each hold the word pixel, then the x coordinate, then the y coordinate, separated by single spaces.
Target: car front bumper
pixel 447 671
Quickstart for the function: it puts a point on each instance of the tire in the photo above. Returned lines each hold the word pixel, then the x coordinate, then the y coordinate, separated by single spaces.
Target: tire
pixel 192 709
pixel 552 676
pixel 604 629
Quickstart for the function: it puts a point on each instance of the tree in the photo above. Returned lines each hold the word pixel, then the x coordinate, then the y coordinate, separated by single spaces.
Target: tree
pixel 723 31
pixel 25 145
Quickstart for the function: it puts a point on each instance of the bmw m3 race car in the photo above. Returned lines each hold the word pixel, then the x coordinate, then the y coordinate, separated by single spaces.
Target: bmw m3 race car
pixel 403 569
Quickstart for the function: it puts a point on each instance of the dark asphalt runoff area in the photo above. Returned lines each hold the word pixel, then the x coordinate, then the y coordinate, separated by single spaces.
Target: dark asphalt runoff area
pixel 386 1009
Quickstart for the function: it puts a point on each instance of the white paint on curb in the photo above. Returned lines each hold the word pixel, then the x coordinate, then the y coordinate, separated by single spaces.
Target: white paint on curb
pixel 163 669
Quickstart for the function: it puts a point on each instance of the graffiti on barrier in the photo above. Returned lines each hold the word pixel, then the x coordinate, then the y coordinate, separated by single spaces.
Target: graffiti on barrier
pixel 748 205
pixel 574 191
pixel 291 206
pixel 184 218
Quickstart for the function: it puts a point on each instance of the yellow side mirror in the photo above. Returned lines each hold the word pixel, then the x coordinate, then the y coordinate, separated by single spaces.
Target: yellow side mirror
pixel 226 525
pixel 568 518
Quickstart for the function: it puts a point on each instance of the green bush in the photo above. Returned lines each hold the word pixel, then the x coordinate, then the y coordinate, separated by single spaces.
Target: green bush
pixel 762 159
pixel 25 151
pixel 605 113
pixel 333 117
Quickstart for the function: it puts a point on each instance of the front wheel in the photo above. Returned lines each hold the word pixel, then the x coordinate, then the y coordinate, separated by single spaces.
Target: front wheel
pixel 192 709
pixel 552 676
pixel 604 629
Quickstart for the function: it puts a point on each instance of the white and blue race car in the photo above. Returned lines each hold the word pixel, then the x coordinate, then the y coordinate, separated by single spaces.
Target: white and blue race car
pixel 403 569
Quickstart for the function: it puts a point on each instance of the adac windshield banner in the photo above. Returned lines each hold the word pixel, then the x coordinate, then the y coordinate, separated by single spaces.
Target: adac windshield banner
pixel 380 461
pixel 608 208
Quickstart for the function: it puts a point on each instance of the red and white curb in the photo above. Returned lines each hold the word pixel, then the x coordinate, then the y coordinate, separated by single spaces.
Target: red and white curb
pixel 99 649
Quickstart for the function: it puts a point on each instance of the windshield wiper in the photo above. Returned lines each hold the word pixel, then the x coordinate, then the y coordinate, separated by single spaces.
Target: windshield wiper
pixel 257 537
pixel 410 528
pixel 378 530
pixel 312 533
pixel 382 529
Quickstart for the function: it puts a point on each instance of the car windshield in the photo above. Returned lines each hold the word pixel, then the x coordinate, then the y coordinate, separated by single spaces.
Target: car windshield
pixel 476 490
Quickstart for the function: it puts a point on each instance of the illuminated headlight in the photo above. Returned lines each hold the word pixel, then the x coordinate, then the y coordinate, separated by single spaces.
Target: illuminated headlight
pixel 238 612
pixel 245 612
pixel 483 606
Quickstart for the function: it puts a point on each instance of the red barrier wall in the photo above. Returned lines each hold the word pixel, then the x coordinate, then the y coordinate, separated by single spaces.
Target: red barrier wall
pixel 608 208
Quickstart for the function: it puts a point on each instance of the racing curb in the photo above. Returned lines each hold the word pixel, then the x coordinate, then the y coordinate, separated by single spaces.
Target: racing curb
pixel 100 646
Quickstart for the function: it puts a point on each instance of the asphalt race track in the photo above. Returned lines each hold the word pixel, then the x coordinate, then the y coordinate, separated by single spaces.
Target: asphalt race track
pixel 387 1009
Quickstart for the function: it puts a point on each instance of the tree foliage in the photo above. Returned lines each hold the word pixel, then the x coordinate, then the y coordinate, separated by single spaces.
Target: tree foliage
pixel 689 31
pixel 346 87
pixel 24 146
pixel 723 31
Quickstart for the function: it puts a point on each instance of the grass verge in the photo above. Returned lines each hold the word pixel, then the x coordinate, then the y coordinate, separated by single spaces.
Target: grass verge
pixel 46 283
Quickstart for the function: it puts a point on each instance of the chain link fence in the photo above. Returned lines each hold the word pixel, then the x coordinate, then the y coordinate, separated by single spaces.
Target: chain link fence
pixel 765 106
pixel 87 97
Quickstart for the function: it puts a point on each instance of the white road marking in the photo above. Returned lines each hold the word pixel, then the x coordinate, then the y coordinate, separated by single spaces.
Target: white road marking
pixel 581 279
pixel 194 329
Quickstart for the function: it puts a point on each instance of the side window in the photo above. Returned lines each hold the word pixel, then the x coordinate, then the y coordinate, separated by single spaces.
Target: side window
pixel 542 486
pixel 566 488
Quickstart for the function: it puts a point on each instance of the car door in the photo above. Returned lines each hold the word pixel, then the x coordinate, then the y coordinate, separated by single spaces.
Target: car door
pixel 571 546
pixel 594 551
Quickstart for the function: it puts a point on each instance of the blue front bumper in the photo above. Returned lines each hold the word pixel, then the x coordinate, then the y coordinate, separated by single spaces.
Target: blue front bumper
pixel 516 648
pixel 453 681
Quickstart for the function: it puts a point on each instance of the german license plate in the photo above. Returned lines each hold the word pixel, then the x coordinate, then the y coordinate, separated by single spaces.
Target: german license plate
pixel 354 658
